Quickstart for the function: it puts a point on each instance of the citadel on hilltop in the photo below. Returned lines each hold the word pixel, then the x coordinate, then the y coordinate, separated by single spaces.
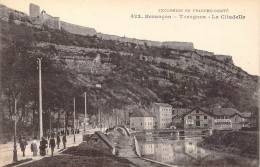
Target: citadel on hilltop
pixel 55 23
pixel 39 19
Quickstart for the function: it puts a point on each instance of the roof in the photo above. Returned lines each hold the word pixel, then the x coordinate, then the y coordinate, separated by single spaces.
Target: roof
pixel 224 111
pixel 180 111
pixel 163 104
pixel 104 138
pixel 218 111
pixel 247 114
pixel 141 113
pixel 205 110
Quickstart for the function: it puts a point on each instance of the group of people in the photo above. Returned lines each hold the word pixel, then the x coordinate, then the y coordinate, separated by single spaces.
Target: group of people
pixel 43 145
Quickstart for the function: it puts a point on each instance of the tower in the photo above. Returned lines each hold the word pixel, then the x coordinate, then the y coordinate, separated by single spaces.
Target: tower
pixel 34 10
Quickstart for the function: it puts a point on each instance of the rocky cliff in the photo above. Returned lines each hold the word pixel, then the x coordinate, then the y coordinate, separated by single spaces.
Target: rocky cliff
pixel 132 73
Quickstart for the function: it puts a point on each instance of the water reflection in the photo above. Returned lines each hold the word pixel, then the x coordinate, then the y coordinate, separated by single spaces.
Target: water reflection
pixel 185 152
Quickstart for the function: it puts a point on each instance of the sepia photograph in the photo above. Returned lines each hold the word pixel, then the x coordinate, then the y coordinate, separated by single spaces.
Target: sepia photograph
pixel 120 83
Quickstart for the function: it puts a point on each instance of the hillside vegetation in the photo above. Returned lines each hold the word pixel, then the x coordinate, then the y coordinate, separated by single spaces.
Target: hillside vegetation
pixel 129 74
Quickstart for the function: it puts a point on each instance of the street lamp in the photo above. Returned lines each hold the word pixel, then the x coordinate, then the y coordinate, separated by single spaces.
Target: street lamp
pixel 15 119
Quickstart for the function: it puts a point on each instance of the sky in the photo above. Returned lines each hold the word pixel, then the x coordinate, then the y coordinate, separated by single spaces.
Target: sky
pixel 239 38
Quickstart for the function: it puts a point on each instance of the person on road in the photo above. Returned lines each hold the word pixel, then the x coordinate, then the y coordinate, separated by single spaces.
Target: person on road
pixel 34 147
pixel 43 146
pixel 58 140
pixel 23 144
pixel 52 144
pixel 64 141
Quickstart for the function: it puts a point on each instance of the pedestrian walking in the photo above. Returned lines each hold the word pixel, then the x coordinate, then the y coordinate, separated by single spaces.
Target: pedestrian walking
pixel 43 146
pixel 64 140
pixel 58 140
pixel 52 144
pixel 34 147
pixel 23 144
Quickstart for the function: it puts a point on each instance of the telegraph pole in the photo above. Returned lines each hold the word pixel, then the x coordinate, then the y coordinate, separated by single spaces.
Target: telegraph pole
pixel 64 124
pixel 116 117
pixel 50 123
pixel 85 111
pixel 40 97
pixel 113 117
pixel 100 128
pixel 74 121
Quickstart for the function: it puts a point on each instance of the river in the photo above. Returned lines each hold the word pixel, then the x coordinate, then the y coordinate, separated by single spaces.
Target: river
pixel 183 151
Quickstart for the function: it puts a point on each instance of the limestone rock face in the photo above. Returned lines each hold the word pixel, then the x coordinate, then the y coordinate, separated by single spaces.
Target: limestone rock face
pixel 132 71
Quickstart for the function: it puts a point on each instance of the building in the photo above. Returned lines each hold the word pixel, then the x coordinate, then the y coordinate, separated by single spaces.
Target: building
pixel 250 119
pixel 216 119
pixel 226 118
pixel 100 141
pixel 141 120
pixel 197 118
pixel 177 116
pixel 163 115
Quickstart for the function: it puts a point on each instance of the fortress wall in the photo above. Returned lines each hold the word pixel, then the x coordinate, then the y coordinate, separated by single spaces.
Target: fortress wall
pixel 51 22
pixel 224 58
pixel 75 29
pixel 179 45
pixel 204 53
pixel 34 10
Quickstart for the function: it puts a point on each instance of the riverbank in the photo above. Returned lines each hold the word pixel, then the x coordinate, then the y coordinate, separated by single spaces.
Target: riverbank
pixel 235 142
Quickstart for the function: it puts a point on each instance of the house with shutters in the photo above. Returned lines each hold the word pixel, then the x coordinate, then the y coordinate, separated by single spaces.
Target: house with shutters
pixel 141 120
pixel 197 118
pixel 215 118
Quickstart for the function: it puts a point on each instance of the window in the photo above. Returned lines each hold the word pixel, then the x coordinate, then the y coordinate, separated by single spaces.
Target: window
pixel 189 117
pixel 133 124
pixel 205 117
pixel 141 123
pixel 205 124
pixel 197 111
pixel 197 123
pixel 197 117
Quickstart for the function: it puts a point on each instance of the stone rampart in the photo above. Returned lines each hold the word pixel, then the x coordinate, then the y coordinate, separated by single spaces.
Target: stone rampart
pixel 34 10
pixel 225 58
pixel 204 53
pixel 37 19
pixel 75 29
pixel 51 22
pixel 179 45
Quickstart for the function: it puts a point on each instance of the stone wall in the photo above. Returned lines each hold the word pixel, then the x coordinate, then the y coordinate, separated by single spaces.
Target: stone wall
pixel 204 53
pixel 34 10
pixel 75 29
pixel 179 45
pixel 51 22
pixel 225 58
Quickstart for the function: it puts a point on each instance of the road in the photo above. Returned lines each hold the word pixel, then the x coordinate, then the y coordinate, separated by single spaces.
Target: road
pixel 6 150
